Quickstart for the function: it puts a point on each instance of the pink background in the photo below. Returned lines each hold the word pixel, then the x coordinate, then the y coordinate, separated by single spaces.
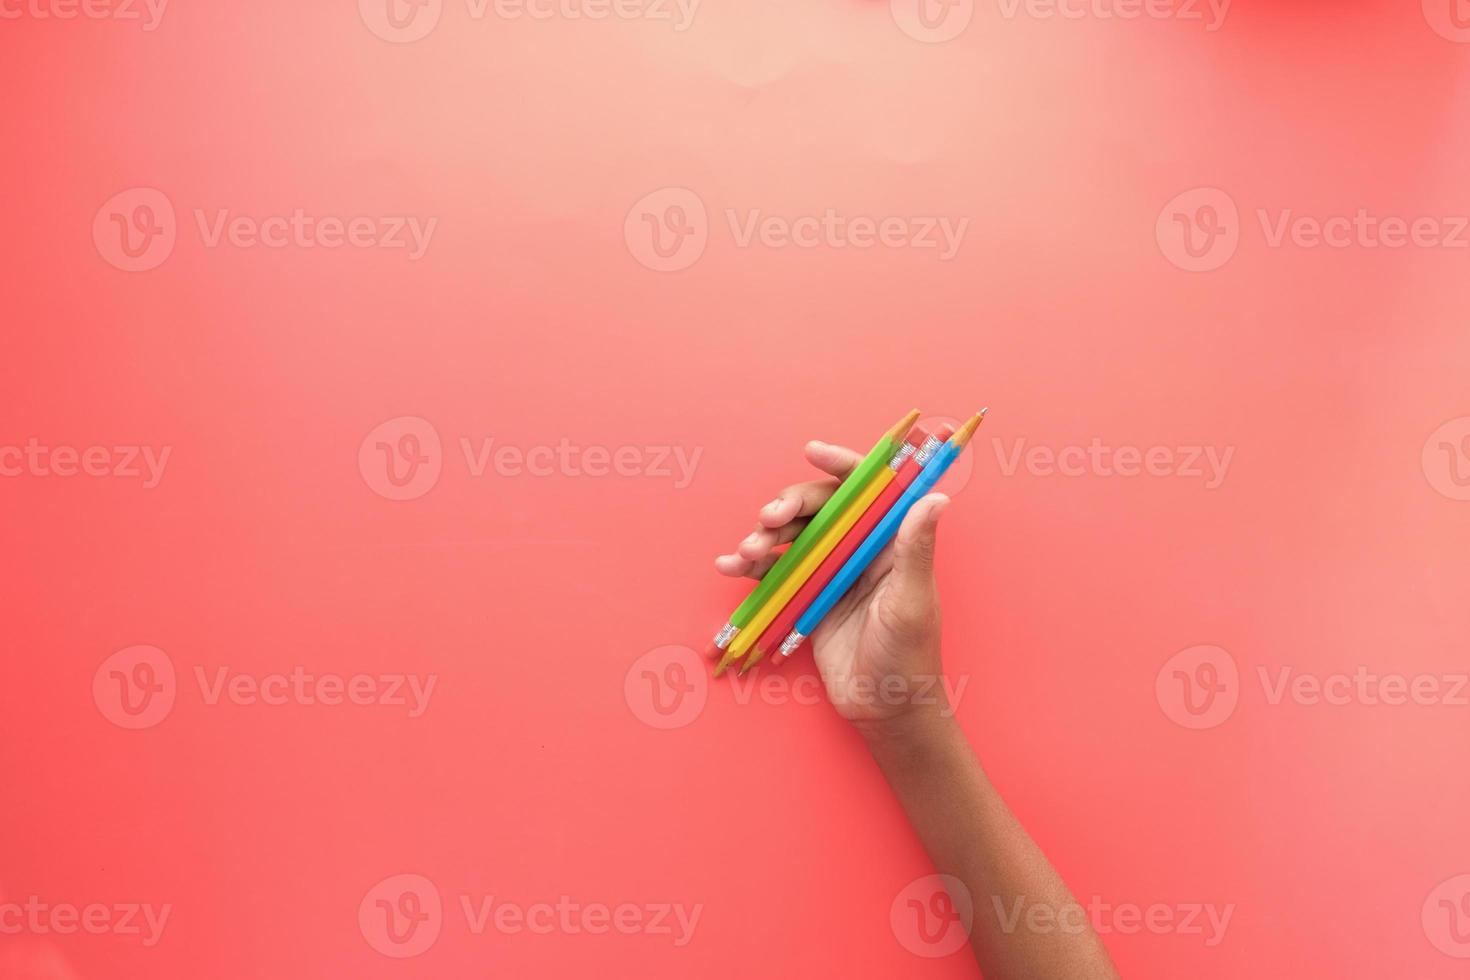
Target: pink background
pixel 1337 538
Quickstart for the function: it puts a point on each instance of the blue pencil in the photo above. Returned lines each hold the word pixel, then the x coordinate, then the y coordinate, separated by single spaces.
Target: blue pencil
pixel 880 536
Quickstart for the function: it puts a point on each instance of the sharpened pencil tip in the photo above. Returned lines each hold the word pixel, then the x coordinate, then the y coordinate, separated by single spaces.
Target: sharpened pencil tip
pixel 724 663
pixel 900 430
pixel 968 429
pixel 754 659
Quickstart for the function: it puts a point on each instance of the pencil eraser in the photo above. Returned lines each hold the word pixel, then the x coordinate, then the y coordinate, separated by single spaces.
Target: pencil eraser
pixel 917 435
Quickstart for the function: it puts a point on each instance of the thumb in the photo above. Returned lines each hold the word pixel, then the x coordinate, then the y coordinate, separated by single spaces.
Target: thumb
pixel 912 584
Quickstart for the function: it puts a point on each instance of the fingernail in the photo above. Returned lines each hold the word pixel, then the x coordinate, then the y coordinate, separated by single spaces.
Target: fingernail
pixel 773 505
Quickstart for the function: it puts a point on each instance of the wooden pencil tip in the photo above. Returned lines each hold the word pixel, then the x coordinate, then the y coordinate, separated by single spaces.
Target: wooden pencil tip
pixel 900 430
pixel 724 663
pixel 755 658
pixel 968 429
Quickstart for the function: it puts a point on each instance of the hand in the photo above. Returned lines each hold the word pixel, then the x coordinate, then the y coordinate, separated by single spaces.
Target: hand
pixel 878 649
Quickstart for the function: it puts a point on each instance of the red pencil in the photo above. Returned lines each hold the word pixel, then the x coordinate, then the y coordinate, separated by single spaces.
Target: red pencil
pixel 780 626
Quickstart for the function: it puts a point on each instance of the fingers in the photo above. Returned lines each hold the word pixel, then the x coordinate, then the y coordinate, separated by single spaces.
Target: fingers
pixel 735 566
pixel 805 499
pixel 797 500
pixel 760 541
pixel 783 519
pixel 914 594
pixel 836 460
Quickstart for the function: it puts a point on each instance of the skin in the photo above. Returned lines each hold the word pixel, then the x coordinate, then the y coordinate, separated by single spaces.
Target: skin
pixel 886 631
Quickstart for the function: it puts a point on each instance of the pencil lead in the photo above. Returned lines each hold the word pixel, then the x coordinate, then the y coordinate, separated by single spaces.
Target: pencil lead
pixel 751 661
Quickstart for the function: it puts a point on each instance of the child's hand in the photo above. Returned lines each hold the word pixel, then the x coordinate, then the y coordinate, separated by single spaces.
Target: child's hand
pixel 879 647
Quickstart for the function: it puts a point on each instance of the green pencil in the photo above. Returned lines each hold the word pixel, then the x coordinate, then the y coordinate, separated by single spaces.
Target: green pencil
pixel 876 459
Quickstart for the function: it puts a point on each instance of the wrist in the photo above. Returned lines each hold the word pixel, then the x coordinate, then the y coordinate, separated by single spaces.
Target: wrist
pixel 916 726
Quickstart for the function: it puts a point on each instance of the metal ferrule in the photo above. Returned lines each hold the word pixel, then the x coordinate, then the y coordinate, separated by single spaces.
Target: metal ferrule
pixel 927 450
pixel 792 641
pixel 725 635
pixel 904 452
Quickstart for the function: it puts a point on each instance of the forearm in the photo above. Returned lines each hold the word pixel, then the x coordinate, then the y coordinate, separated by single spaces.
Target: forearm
pixel 970 833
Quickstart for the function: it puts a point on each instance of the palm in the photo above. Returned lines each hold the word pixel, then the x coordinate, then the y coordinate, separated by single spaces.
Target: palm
pixel 865 640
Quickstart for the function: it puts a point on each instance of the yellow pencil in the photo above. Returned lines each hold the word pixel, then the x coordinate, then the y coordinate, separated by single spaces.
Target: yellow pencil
pixel 816 556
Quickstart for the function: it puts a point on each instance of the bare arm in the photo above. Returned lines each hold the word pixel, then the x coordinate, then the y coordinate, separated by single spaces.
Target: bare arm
pixel 1025 923
pixel 878 652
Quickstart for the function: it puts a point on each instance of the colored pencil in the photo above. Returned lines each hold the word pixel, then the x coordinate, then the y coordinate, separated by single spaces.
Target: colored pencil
pixel 876 459
pixel 881 535
pixel 782 624
pixel 862 504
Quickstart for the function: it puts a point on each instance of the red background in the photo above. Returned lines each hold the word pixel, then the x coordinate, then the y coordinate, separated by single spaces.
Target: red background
pixel 529 320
